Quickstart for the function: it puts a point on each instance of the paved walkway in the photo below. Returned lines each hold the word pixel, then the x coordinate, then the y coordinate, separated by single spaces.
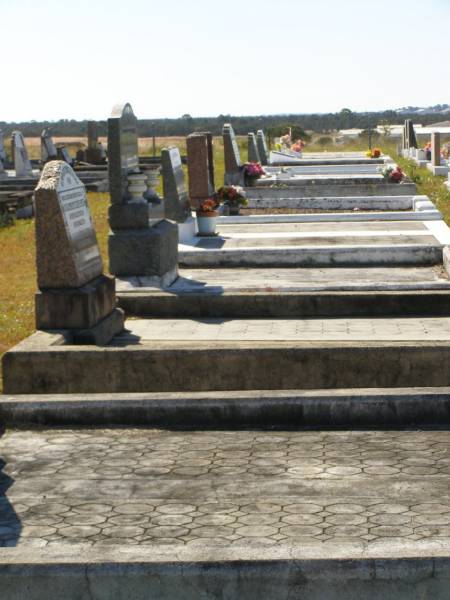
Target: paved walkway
pixel 415 329
pixel 146 487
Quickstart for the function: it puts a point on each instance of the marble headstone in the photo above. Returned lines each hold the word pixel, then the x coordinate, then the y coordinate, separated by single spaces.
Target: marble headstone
pixel 22 164
pixel 67 253
pixel 48 148
pixel 253 154
pixel 436 149
pixel 174 187
pixel 200 166
pixel 262 147
pixel 232 156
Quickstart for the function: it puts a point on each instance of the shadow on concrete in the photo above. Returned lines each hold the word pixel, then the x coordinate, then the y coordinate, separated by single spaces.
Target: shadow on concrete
pixel 10 524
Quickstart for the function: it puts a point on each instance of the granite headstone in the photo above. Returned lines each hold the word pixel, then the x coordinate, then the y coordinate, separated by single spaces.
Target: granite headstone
pixel 178 207
pixel 232 156
pixel 436 149
pixel 67 250
pixel 74 294
pixel 253 154
pixel 22 164
pixel 199 155
pixel 48 148
pixel 262 147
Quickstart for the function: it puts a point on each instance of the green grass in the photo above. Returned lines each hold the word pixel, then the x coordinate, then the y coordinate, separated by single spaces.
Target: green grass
pixel 17 242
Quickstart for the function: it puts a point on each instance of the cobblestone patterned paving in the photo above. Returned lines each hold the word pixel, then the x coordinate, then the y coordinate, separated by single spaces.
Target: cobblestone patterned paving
pixel 144 487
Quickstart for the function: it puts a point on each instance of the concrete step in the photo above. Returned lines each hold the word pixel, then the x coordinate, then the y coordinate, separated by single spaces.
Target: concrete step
pixel 262 409
pixel 164 355
pixel 141 513
pixel 294 292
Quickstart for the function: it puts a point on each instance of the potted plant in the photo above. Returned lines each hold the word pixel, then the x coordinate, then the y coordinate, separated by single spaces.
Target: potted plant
pixel 232 196
pixel 207 215
pixel 252 172
pixel 393 174
pixel 376 153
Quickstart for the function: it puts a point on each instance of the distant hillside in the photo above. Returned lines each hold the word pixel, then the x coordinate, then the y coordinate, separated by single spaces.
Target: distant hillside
pixel 320 123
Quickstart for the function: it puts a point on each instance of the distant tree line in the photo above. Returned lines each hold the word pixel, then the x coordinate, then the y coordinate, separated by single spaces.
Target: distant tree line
pixel 319 123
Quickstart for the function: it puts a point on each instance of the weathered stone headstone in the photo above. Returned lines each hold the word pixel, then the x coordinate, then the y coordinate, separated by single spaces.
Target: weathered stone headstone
pixel 176 198
pixel 233 175
pixel 436 149
pixel 22 164
pixel 253 154
pixel 74 293
pixel 48 148
pixel 137 245
pixel 262 147
pixel 200 166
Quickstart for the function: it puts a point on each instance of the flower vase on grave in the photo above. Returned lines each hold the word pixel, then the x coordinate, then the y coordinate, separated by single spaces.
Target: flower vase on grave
pixel 137 186
pixel 207 222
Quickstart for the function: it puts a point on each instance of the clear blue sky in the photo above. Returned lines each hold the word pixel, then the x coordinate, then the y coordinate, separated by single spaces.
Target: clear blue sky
pixel 77 59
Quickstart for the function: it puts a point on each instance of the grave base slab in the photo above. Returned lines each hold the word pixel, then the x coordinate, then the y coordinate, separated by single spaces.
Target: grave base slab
pixel 152 251
pixel 78 308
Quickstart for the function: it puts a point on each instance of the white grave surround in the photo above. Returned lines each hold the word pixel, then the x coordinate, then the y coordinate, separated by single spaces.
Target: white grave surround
pixel 188 230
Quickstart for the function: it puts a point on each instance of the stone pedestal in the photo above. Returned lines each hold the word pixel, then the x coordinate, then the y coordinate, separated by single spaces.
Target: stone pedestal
pixel 89 312
pixel 145 252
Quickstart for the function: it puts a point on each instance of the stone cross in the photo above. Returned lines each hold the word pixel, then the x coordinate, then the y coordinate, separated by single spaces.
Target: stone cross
pixel 436 149
pixel 232 156
pixel 67 253
pixel 262 147
pixel 22 163
pixel 253 154
pixel 200 167
pixel 124 212
pixel 48 148
pixel 176 198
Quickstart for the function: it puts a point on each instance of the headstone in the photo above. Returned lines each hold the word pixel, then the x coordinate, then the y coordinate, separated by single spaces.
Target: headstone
pixel 199 157
pixel 137 245
pixel 233 163
pixel 95 153
pixel 74 294
pixel 176 198
pixel 3 157
pixel 436 149
pixel 63 154
pixel 262 147
pixel 253 154
pixel 124 212
pixel 411 140
pixel 48 148
pixel 22 164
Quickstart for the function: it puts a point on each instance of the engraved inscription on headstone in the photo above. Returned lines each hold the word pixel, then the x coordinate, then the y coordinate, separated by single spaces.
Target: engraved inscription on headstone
pixel 174 186
pixel 67 251
pixel 22 164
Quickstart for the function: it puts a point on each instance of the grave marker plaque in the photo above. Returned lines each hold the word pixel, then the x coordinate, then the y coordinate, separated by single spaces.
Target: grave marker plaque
pixel 174 187
pixel 253 154
pixel 67 251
